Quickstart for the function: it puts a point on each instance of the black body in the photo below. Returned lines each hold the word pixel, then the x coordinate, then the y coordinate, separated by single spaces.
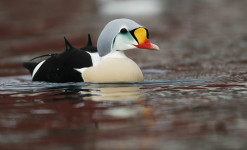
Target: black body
pixel 60 68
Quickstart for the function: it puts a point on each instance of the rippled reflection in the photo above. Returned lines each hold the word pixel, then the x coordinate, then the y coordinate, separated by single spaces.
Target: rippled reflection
pixel 113 93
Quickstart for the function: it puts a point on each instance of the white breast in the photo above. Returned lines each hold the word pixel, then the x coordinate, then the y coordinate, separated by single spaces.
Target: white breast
pixel 113 70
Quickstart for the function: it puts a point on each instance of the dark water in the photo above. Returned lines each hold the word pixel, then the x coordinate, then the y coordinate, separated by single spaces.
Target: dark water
pixel 195 90
pixel 159 114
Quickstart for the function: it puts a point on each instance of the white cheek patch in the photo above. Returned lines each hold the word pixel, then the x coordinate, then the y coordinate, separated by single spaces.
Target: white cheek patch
pixel 37 68
pixel 124 42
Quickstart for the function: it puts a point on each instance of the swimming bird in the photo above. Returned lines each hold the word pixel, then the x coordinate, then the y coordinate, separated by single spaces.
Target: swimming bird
pixel 106 63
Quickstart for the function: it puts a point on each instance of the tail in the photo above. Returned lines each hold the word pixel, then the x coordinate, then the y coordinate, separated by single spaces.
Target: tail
pixel 30 66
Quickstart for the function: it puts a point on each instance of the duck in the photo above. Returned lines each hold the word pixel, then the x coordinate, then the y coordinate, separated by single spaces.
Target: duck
pixel 105 64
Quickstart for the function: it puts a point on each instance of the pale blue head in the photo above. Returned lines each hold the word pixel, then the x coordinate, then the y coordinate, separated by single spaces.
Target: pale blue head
pixel 123 34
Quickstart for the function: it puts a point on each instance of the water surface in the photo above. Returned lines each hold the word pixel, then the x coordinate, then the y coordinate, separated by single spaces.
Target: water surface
pixel 150 115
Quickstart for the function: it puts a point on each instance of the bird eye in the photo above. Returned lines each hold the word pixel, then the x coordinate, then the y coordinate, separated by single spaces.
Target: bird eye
pixel 123 30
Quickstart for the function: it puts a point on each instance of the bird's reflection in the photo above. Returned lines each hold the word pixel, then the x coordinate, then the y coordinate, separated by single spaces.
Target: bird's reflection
pixel 112 93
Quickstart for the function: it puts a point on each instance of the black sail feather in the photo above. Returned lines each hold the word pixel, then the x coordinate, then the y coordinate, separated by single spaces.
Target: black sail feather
pixel 89 43
pixel 89 47
pixel 68 46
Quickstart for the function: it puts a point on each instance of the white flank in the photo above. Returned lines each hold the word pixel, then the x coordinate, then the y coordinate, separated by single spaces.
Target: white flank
pixel 81 70
pixel 95 58
pixel 37 68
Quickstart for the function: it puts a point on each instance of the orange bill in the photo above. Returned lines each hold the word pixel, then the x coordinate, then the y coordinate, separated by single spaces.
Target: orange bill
pixel 141 35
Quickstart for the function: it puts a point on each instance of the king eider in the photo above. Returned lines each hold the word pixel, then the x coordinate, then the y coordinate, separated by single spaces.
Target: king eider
pixel 106 63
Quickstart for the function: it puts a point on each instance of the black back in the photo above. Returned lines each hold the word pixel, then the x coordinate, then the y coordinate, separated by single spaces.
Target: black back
pixel 60 68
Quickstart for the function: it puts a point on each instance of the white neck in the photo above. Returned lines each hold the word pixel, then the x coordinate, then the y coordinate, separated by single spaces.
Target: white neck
pixel 115 54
